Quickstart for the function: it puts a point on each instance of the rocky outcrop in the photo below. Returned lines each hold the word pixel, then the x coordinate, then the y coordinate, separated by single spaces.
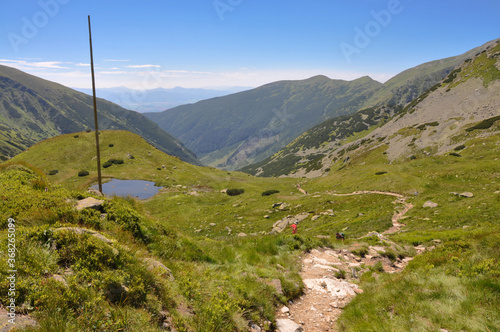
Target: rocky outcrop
pixel 282 224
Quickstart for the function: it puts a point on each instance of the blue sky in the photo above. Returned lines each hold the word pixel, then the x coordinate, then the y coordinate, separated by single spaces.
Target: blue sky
pixel 220 43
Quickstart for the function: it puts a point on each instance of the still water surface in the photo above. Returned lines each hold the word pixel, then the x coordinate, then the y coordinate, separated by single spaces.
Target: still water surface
pixel 136 188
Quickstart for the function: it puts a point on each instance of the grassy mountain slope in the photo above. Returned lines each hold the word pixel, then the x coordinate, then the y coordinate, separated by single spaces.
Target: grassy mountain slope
pixel 411 83
pixel 33 109
pixel 435 122
pixel 241 128
pixel 220 281
pixel 307 151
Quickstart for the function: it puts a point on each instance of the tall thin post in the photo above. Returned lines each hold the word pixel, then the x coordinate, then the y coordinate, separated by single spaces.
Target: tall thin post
pixel 95 113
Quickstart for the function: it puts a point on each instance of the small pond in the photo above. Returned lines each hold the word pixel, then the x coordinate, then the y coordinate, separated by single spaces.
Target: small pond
pixel 136 188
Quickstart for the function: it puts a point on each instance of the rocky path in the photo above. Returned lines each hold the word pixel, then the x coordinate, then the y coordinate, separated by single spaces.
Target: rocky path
pixel 330 278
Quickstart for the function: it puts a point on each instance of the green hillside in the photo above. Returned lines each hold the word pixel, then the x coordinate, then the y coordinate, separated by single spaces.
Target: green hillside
pixel 215 255
pixel 236 130
pixel 436 122
pixel 33 109
pixel 308 150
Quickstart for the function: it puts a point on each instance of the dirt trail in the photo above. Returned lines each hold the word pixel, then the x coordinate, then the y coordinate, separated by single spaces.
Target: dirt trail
pixel 330 279
pixel 396 225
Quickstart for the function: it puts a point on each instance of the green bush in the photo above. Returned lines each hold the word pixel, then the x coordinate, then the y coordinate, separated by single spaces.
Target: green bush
pixel 111 145
pixel 485 124
pixel 116 161
pixel 235 192
pixel 76 136
pixel 107 164
pixel 53 172
pixel 381 173
pixel 83 173
pixel 460 147
pixel 270 192
pixel 454 154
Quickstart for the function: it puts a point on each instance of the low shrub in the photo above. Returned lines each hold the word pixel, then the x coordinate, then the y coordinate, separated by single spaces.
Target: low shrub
pixel 83 173
pixel 235 192
pixel 454 154
pixel 460 147
pixel 485 124
pixel 116 161
pixel 111 145
pixel 270 192
pixel 107 164
pixel 380 173
pixel 76 136
pixel 361 252
pixel 340 275
pixel 53 172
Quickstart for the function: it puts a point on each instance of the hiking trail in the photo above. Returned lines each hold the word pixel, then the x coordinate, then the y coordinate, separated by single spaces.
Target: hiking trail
pixel 330 278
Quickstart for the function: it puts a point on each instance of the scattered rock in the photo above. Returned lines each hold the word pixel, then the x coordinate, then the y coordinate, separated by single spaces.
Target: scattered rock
pixel 282 224
pixel 287 325
pixel 90 203
pixel 275 205
pixel 315 217
pixel 223 191
pixel 285 310
pixel 228 230
pixel 466 194
pixel 276 283
pixel 212 224
pixel 283 206
pixel 266 216
pixel 153 264
pixel 94 191
pixel 242 235
pixel 254 328
pixel 430 204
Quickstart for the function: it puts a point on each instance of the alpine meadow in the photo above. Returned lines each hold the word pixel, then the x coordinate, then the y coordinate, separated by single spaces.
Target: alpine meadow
pixel 301 204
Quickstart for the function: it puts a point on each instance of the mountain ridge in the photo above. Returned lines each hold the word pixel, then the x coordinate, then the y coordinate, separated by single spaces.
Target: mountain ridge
pixel 249 124
pixel 433 123
pixel 33 109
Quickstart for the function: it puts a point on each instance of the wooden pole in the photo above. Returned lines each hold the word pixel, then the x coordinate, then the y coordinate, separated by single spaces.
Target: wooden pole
pixel 95 113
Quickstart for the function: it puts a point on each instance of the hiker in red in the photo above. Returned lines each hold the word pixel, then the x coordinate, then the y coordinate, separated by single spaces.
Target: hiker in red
pixel 294 228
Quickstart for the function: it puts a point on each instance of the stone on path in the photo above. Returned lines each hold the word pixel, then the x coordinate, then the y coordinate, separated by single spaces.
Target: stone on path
pixel 287 325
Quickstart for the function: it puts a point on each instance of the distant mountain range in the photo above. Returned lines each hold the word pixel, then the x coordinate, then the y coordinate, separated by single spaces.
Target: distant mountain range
pixel 157 100
pixel 460 107
pixel 238 130
pixel 33 109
